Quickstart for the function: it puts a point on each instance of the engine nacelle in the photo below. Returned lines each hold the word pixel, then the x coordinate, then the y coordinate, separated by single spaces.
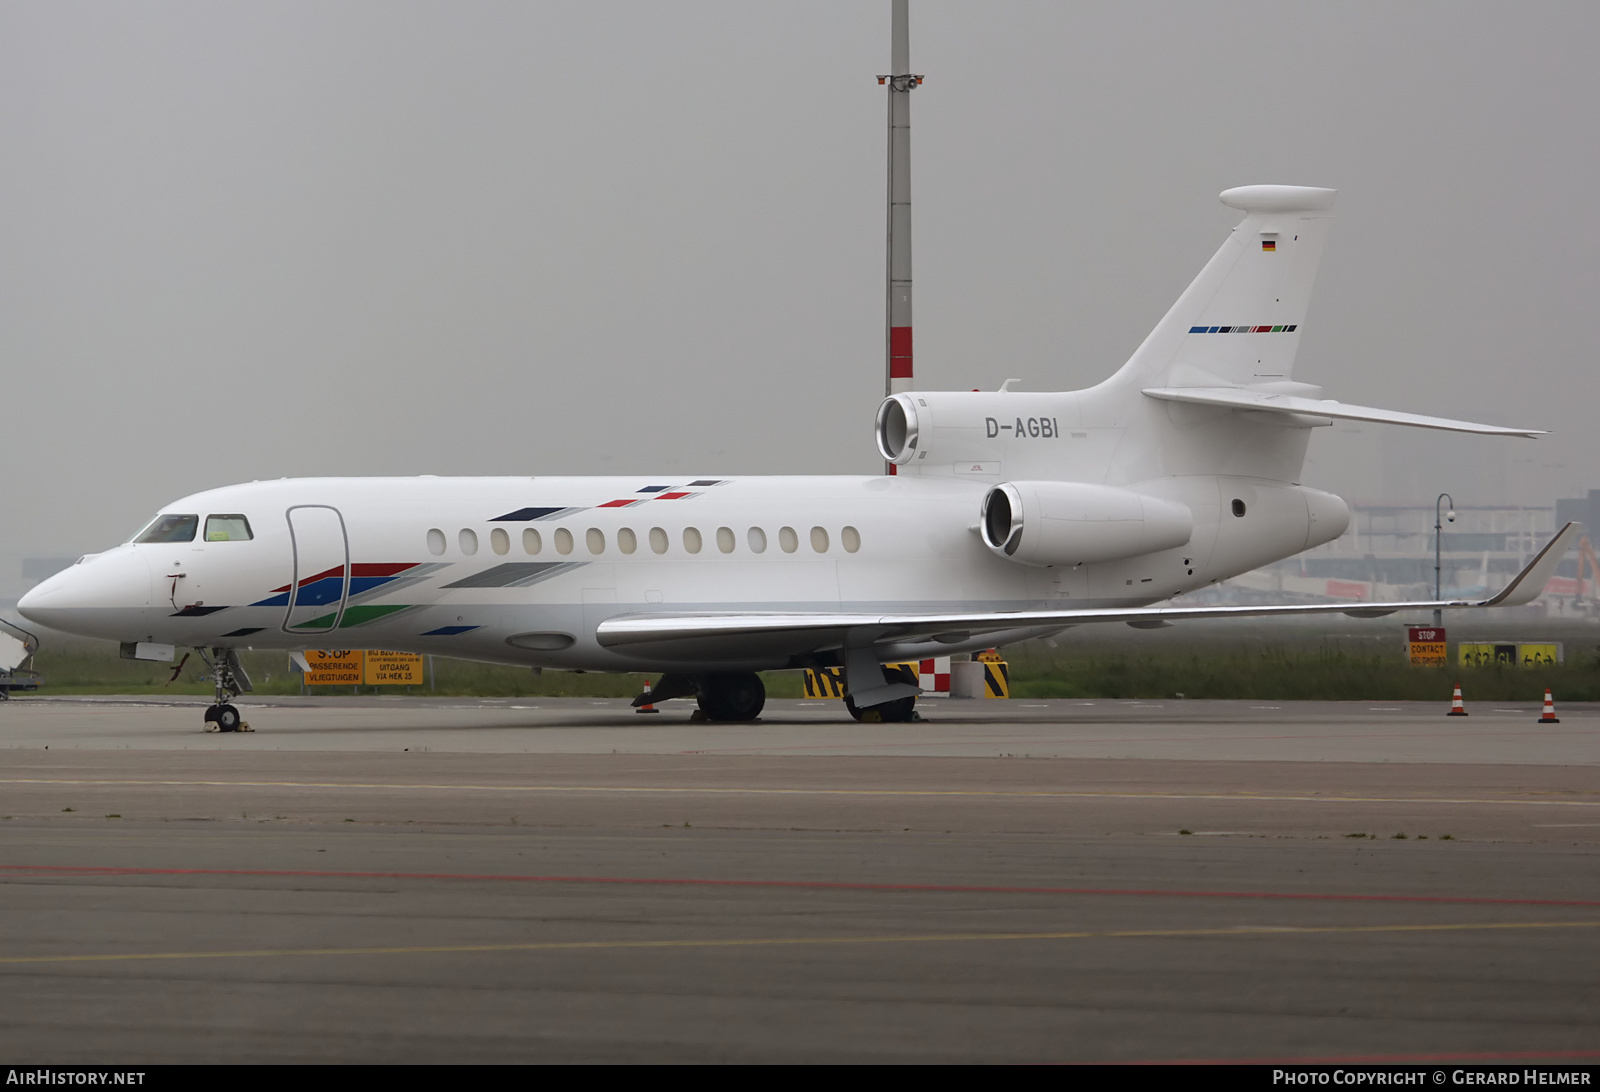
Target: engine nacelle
pixel 943 428
pixel 1075 523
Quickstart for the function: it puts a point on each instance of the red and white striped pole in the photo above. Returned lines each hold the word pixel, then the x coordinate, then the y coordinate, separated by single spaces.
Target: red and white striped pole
pixel 901 82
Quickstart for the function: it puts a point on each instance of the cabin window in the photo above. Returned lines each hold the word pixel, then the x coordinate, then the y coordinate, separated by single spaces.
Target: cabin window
pixel 170 529
pixel 1238 507
pixel 595 539
pixel 229 528
pixel 469 540
pixel 531 543
pixel 757 539
pixel 819 539
pixel 658 540
pixel 691 539
pixel 499 541
pixel 563 541
pixel 850 539
pixel 627 541
pixel 788 539
pixel 725 539
pixel 436 542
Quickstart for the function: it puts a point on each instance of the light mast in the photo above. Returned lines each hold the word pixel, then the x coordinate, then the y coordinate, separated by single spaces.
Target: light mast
pixel 901 82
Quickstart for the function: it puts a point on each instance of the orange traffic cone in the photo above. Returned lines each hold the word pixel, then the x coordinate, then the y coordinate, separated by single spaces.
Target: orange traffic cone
pixel 1457 709
pixel 647 707
pixel 1549 709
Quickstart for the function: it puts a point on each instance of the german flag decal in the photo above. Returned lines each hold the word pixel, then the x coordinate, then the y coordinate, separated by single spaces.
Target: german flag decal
pixel 1269 245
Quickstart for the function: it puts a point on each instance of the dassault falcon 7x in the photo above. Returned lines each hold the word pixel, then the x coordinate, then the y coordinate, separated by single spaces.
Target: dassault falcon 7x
pixel 1011 515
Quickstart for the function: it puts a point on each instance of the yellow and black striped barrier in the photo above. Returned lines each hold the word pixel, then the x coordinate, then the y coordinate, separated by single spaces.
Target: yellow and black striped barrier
pixel 828 682
pixel 996 676
pixel 996 679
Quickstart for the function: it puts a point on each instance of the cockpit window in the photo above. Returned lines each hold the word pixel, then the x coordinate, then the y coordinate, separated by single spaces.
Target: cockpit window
pixel 231 528
pixel 170 529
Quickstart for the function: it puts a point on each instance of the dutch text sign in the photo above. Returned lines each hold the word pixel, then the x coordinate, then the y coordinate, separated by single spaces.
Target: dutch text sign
pixel 393 668
pixel 1426 645
pixel 334 668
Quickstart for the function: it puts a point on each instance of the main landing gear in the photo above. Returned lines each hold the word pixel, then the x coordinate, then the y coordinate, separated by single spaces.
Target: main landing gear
pixel 732 695
pixel 898 711
pixel 723 695
pixel 231 681
pixel 740 696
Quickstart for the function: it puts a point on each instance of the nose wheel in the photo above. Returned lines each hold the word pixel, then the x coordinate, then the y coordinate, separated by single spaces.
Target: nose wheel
pixel 231 681
pixel 225 718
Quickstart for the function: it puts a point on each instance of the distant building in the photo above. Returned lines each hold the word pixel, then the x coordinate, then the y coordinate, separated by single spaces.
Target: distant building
pixel 1586 510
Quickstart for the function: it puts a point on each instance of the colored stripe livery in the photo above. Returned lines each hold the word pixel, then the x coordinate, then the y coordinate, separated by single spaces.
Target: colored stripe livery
pixel 650 493
pixel 516 574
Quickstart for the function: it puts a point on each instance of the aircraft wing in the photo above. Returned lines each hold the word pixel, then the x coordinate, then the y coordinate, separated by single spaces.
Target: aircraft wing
pixel 1240 398
pixel 692 636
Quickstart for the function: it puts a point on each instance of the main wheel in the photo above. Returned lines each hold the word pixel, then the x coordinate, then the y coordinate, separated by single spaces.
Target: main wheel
pixel 733 695
pixel 897 711
pixel 227 718
pixel 211 718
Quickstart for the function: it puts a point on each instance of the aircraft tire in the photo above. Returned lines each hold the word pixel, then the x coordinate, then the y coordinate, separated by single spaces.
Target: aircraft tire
pixel 733 696
pixel 898 711
pixel 227 718
pixel 210 720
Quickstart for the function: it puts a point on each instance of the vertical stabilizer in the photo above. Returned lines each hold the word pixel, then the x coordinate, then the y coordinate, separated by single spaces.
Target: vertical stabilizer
pixel 1239 322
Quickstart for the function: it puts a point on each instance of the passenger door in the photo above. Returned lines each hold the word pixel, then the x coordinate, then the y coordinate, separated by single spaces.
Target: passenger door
pixel 320 583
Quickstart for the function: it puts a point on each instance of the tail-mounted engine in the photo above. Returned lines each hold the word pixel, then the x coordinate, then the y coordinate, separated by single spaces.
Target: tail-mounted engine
pixel 926 429
pixel 1075 523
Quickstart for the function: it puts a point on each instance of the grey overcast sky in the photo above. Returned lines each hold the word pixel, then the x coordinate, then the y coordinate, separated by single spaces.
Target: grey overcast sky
pixel 252 240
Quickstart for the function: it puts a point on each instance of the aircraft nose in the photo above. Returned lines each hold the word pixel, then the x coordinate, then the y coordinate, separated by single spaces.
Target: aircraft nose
pixel 116 580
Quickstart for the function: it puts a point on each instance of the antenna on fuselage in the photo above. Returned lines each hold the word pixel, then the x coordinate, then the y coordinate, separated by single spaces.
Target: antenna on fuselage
pixel 900 82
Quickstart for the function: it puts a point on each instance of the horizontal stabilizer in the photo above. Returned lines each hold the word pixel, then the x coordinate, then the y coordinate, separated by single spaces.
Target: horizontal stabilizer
pixel 1265 401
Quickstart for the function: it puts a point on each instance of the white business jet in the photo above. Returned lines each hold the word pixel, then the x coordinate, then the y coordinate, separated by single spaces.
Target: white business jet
pixel 1012 515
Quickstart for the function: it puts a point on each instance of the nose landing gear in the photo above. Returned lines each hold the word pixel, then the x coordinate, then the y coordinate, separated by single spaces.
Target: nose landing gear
pixel 229 676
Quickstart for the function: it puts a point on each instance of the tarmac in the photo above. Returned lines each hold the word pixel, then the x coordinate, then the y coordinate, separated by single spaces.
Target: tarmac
pixel 448 880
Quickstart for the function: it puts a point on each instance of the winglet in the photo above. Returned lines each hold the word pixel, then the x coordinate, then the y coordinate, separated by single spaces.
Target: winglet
pixel 1526 585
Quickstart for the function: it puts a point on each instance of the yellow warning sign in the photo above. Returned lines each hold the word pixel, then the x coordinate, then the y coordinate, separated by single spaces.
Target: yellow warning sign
pixel 392 668
pixel 334 668
pixel 1538 655
pixel 1521 654
pixel 1485 654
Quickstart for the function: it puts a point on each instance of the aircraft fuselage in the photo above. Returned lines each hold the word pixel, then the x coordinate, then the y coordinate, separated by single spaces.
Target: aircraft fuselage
pixel 509 569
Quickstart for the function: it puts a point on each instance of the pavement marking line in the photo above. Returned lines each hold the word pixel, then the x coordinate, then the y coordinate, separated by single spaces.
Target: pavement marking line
pixel 1481 730
pixel 817 885
pixel 668 790
pixel 797 942
pixel 1466 1056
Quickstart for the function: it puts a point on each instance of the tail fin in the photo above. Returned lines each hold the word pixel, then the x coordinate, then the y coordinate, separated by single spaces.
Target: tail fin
pixel 1239 323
